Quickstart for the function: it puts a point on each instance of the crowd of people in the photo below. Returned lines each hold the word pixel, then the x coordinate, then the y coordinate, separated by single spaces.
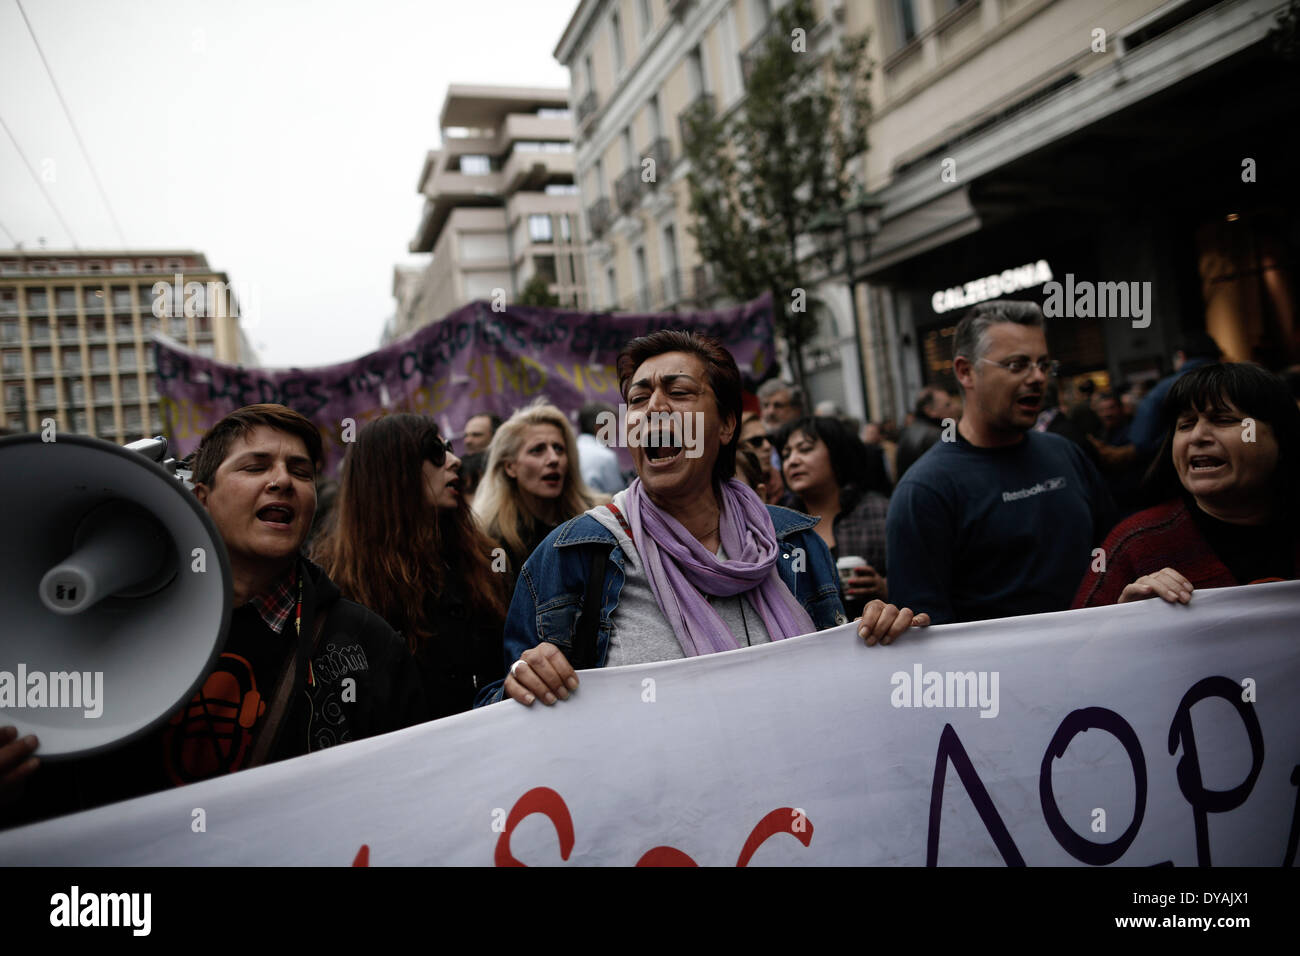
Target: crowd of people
pixel 437 583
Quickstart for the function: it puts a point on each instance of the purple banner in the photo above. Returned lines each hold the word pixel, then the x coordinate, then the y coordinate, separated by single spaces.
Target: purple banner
pixel 474 360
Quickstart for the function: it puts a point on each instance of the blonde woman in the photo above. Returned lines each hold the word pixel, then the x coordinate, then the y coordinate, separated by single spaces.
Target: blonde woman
pixel 532 483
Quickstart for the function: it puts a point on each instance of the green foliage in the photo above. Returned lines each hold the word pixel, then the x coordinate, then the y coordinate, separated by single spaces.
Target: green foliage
pixel 537 291
pixel 760 176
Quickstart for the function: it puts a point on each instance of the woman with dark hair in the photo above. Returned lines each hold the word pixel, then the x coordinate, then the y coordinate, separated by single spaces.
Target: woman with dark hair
pixel 1227 476
pixel 686 560
pixel 836 477
pixel 405 544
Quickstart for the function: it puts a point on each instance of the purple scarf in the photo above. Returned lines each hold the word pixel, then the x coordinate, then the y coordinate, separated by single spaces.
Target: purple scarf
pixel 681 571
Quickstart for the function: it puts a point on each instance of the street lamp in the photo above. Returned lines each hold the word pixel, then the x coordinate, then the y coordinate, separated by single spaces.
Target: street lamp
pixel 842 226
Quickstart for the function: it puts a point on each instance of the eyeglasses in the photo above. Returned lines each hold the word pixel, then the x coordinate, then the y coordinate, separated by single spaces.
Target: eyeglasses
pixel 436 449
pixel 1019 366
pixel 756 441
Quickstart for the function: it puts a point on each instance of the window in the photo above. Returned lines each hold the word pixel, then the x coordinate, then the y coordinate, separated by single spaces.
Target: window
pixel 600 178
pixel 695 73
pixel 544 266
pixel 8 302
pixel 10 268
pixel 672 285
pixel 122 265
pixel 148 265
pixel 616 31
pixel 905 20
pixel 130 388
pixel 589 73
pixel 38 330
pixel 550 112
pixel 37 301
pixel 95 265
pixel 174 264
pixel 96 328
pixel 14 395
pixel 45 394
pixel 131 418
pixel 13 362
pixel 476 165
pixel 9 331
pixel 67 265
pixel 656 126
pixel 126 358
pixel 566 227
pixel 178 327
pixel 553 189
pixel 104 421
pixel 539 228
pixel 647 18
pixel 207 350
pixel 99 358
pixel 103 390
pixel 43 360
pixel 121 298
pixel 643 280
pixel 76 392
pixel 629 155
pixel 65 299
pixel 71 360
pixel 39 266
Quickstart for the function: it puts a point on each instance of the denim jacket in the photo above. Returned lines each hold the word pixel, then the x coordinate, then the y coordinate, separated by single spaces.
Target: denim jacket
pixel 552 585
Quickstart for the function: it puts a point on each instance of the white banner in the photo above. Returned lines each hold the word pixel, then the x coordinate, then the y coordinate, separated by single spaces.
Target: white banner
pixel 1140 734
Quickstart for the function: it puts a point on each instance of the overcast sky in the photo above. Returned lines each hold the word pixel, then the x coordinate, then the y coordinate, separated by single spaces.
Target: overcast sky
pixel 282 138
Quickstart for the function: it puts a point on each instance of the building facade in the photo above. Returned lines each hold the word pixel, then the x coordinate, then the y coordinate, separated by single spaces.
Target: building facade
pixel 500 204
pixel 75 333
pixel 1020 141
pixel 637 67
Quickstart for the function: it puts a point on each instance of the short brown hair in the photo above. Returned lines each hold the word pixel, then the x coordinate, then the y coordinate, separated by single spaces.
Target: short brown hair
pixel 720 369
pixel 214 448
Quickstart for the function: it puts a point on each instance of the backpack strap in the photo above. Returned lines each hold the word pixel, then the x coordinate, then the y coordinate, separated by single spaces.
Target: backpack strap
pixel 585 650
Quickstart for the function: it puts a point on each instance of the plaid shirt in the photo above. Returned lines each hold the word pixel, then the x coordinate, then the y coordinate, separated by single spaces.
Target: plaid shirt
pixel 277 605
pixel 860 529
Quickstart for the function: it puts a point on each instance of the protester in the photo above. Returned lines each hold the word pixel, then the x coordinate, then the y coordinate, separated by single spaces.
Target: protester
pixel 936 409
pixel 598 462
pixel 998 522
pixel 1226 475
pixel 685 561
pixel 1055 419
pixel 1198 349
pixel 472 467
pixel 532 483
pixel 781 402
pixel 1082 413
pixel 754 437
pixel 407 546
pixel 838 479
pixel 479 431
pixel 751 471
pixel 1118 456
pixel 292 646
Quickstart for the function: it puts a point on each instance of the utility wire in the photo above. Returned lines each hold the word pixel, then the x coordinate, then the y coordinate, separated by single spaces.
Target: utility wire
pixel 39 184
pixel 12 240
pixel 75 132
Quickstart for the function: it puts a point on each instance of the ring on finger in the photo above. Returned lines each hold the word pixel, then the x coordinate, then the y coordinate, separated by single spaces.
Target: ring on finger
pixel 515 666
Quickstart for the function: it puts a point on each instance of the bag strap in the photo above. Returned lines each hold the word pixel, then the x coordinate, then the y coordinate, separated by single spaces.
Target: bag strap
pixel 585 648
pixel 270 732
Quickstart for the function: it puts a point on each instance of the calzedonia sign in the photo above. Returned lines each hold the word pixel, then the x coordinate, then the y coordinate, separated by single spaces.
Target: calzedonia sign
pixel 990 287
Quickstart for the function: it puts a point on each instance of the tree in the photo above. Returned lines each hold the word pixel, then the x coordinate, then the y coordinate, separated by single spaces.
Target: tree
pixel 537 291
pixel 759 177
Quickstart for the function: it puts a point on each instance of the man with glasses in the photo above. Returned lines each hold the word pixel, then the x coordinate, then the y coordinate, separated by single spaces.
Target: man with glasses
pixel 1002 520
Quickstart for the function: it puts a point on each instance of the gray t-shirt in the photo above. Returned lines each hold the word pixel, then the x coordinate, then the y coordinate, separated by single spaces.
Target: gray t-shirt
pixel 640 633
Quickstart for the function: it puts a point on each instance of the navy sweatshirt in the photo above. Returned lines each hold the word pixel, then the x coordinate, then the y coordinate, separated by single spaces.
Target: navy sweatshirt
pixel 976 533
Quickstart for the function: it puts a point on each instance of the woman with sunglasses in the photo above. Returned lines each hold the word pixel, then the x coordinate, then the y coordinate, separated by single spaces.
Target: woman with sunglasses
pixel 405 544
pixel 532 483
pixel 754 438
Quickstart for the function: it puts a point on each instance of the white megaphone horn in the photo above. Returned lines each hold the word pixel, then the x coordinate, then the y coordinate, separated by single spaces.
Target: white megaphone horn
pixel 114 584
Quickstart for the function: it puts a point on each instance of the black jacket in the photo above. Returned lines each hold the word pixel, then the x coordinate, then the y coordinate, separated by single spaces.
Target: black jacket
pixel 363 682
pixel 914 442
pixel 464 654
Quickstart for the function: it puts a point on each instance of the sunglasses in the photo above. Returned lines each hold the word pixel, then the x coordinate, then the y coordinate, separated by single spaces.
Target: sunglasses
pixel 435 449
pixel 755 441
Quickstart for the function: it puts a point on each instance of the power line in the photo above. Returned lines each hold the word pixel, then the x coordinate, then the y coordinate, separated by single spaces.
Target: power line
pixel 39 184
pixel 12 240
pixel 75 132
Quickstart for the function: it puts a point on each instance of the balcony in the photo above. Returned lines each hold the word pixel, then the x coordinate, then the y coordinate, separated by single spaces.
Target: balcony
pixel 627 189
pixel 703 105
pixel 598 216
pixel 586 106
pixel 661 151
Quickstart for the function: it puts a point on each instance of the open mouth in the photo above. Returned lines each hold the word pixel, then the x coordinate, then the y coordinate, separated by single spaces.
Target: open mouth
pixel 663 447
pixel 277 516
pixel 553 478
pixel 1203 463
pixel 1029 403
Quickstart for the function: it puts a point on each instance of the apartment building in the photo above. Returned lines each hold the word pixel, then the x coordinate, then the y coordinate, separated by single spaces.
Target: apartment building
pixel 1107 140
pixel 75 333
pixel 500 204
pixel 637 67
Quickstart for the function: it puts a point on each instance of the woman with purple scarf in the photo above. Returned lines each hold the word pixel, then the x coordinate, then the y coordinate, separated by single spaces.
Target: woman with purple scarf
pixel 687 560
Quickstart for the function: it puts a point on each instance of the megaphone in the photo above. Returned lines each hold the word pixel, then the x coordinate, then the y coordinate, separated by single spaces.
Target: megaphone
pixel 114 592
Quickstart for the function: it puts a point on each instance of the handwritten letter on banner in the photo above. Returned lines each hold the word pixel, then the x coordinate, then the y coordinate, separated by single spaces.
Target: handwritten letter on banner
pixel 474 360
pixel 1138 734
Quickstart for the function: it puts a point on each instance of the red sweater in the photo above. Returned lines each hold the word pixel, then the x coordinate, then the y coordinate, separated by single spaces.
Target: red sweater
pixel 1165 536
